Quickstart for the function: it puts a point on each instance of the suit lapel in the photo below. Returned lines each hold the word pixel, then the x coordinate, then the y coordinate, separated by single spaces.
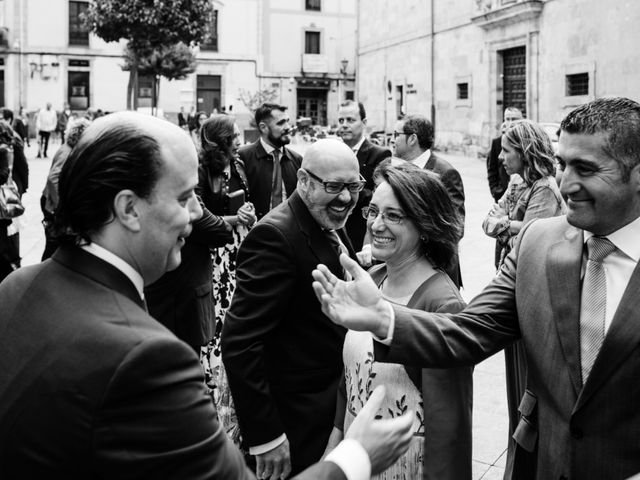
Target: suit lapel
pixel 621 339
pixel 316 237
pixel 564 261
pixel 431 163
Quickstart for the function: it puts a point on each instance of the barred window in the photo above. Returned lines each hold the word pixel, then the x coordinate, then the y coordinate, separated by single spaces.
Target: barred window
pixel 577 84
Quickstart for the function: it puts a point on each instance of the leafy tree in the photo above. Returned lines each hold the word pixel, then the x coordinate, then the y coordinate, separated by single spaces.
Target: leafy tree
pixel 252 100
pixel 151 28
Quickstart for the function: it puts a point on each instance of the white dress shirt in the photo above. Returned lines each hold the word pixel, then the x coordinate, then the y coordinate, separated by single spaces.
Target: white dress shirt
pixel 422 159
pixel 618 266
pixel 357 146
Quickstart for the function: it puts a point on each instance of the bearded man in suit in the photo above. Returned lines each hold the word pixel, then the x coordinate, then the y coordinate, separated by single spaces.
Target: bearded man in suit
pixel 569 290
pixel 414 136
pixel 282 354
pixel 92 386
pixel 271 167
pixel 352 118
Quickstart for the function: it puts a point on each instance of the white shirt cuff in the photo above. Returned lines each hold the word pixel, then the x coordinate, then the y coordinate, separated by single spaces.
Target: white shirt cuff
pixel 352 459
pixel 392 325
pixel 267 447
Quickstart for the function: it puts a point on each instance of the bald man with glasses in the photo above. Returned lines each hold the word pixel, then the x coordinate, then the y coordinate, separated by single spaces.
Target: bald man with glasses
pixel 283 356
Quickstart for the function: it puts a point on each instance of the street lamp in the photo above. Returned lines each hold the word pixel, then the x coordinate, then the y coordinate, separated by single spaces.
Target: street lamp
pixel 343 66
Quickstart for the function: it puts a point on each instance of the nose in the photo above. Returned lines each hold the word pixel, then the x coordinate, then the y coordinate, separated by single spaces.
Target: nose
pixel 377 224
pixel 568 183
pixel 345 195
pixel 501 156
pixel 195 210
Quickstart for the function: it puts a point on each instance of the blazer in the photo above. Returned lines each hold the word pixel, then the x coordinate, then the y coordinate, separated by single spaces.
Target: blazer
pixel 496 174
pixel 282 355
pixel 92 387
pixel 182 300
pixel 259 169
pixel 567 429
pixel 369 157
pixel 453 183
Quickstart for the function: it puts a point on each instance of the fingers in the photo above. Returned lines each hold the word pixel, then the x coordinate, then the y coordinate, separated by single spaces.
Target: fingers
pixel 324 276
pixel 352 267
pixel 286 470
pixel 260 464
pixel 372 406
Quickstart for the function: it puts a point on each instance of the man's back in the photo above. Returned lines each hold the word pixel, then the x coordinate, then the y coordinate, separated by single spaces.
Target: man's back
pixel 93 386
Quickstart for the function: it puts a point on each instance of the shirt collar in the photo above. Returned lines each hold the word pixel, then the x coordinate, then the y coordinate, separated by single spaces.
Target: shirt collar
pixel 131 273
pixel 422 159
pixel 357 146
pixel 267 148
pixel 625 239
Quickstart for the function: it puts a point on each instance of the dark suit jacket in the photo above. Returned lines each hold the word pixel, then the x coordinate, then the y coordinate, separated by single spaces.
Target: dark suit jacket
pixel 92 387
pixel 20 167
pixel 182 300
pixel 283 356
pixel 369 157
pixel 496 174
pixel 568 430
pixel 453 183
pixel 259 169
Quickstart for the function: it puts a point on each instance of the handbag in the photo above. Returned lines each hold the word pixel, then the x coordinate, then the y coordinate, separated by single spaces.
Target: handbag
pixel 10 203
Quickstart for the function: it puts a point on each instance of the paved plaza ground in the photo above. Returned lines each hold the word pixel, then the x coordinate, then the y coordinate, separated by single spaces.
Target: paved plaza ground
pixel 476 257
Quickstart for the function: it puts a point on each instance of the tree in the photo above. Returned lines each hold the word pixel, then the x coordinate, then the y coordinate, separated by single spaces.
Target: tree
pixel 149 26
pixel 253 100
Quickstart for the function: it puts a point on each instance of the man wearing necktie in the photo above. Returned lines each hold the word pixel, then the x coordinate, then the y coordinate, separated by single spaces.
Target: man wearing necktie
pixel 282 354
pixel 270 166
pixel 570 290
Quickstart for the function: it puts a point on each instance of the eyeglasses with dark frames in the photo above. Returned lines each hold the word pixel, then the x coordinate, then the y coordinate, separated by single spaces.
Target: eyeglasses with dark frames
pixel 371 213
pixel 397 134
pixel 334 188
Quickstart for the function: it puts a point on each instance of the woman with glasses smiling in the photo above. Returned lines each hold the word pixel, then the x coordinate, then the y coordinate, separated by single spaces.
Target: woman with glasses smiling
pixel 414 230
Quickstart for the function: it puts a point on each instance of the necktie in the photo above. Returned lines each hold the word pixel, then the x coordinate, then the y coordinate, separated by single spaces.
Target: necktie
pixel 276 185
pixel 594 301
pixel 338 247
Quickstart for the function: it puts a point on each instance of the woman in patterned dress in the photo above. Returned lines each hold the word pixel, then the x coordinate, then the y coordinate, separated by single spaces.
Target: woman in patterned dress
pixel 414 230
pixel 222 185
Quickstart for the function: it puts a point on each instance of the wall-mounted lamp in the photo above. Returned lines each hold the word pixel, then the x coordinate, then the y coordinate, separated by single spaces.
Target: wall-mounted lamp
pixel 292 82
pixel 343 66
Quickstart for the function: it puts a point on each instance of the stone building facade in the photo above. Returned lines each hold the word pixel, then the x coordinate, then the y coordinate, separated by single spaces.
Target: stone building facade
pixel 300 52
pixel 461 62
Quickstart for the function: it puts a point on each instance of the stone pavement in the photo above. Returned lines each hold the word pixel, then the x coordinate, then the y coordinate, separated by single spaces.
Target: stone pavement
pixel 490 419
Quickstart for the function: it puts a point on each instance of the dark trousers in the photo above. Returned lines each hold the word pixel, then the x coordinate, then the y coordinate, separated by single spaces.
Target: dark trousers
pixel 44 142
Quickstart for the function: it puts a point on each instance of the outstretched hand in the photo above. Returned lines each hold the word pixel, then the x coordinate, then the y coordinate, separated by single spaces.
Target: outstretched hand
pixel 384 440
pixel 357 304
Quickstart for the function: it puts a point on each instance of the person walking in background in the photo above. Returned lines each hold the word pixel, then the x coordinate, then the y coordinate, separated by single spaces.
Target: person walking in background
pixel 496 174
pixel 49 200
pixel 414 230
pixel 414 137
pixel 223 187
pixel 194 129
pixel 21 126
pixel 352 120
pixel 46 122
pixel 182 121
pixel 528 158
pixel 63 121
pixel 272 168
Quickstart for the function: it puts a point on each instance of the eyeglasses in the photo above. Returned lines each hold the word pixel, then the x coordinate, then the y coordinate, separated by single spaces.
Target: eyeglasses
pixel 371 213
pixel 334 188
pixel 397 134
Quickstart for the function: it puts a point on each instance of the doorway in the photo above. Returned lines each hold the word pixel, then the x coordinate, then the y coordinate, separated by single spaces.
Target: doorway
pixel 208 93
pixel 312 103
pixel 514 78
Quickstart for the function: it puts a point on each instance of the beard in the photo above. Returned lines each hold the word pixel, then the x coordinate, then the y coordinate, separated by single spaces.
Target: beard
pixel 280 141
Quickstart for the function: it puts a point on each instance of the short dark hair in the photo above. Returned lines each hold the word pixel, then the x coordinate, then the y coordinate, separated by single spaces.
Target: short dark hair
pixel 76 130
pixel 7 114
pixel 422 128
pixel 616 117
pixel 216 137
pixel 425 201
pixel 263 112
pixel 106 160
pixel 361 110
pixel 534 146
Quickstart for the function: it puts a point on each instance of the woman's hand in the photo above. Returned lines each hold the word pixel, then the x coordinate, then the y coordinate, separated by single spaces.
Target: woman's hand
pixel 247 214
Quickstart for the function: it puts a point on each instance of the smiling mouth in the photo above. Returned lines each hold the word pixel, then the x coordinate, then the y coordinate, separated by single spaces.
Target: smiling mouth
pixel 382 240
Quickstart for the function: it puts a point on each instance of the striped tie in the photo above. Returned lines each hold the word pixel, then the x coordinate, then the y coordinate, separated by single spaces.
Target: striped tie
pixel 594 301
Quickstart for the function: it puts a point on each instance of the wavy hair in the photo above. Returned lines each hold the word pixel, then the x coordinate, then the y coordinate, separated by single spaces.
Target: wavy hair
pixel 534 146
pixel 425 201
pixel 216 138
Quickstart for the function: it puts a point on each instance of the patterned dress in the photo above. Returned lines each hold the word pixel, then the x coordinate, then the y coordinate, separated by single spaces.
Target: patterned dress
pixel 215 191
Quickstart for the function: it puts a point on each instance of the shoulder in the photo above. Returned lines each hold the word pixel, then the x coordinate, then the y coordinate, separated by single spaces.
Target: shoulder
pixel 375 151
pixel 247 150
pixel 295 155
pixel 438 294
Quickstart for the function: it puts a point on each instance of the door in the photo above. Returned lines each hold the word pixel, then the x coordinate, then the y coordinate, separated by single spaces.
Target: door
pixel 514 77
pixel 312 103
pixel 208 93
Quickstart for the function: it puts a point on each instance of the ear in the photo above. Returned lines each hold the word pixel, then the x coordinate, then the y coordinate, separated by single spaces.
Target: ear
pixel 127 207
pixel 263 127
pixel 364 121
pixel 303 177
